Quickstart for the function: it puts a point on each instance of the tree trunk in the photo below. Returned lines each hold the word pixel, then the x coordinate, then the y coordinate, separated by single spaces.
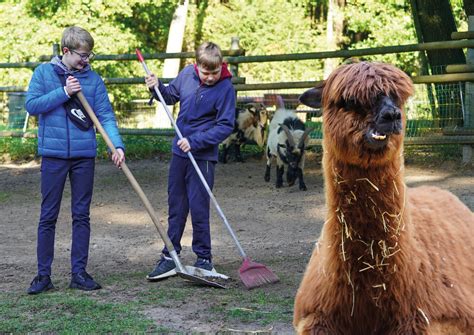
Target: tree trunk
pixel 469 7
pixel 335 27
pixel 171 66
pixel 434 21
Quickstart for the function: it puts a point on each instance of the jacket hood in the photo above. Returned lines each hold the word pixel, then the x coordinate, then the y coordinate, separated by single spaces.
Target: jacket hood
pixel 61 68
pixel 225 73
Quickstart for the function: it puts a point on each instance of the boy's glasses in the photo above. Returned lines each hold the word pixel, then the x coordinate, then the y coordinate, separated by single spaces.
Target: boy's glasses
pixel 84 57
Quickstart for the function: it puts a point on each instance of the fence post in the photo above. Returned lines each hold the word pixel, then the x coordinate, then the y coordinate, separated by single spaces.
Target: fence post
pixel 467 150
pixel 56 50
pixel 234 45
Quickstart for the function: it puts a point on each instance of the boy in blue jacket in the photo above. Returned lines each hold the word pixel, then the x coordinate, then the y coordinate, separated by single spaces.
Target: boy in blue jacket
pixel 68 150
pixel 206 118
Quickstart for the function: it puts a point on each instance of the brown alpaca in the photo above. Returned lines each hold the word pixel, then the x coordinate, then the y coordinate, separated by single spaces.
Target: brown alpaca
pixel 390 260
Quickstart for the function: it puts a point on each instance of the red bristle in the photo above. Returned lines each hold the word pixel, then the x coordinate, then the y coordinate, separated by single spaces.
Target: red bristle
pixel 255 274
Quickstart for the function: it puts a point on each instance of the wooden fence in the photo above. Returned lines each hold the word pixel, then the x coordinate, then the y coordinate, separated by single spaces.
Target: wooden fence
pixel 462 73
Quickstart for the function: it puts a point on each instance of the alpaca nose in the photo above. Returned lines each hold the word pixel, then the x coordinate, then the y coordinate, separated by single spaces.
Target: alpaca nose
pixel 392 118
pixel 389 117
pixel 391 114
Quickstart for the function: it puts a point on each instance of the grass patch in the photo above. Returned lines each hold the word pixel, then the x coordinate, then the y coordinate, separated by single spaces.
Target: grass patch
pixel 4 196
pixel 120 308
pixel 433 154
pixel 69 312
pixel 261 307
pixel 257 306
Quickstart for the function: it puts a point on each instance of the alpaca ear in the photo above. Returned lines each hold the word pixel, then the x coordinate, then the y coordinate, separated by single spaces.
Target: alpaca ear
pixel 312 97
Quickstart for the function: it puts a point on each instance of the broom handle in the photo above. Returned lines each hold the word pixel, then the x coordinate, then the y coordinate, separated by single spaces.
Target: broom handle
pixel 134 183
pixel 193 161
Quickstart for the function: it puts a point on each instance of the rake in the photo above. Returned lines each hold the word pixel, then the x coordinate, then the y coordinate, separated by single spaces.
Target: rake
pixel 182 271
pixel 252 274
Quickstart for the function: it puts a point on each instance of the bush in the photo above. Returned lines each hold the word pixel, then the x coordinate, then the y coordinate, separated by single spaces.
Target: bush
pixel 137 147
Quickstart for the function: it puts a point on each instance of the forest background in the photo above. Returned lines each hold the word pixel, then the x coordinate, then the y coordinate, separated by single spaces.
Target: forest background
pixel 30 27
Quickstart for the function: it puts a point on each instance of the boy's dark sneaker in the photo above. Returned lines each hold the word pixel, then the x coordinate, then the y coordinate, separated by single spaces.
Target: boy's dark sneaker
pixel 164 268
pixel 204 263
pixel 83 281
pixel 40 284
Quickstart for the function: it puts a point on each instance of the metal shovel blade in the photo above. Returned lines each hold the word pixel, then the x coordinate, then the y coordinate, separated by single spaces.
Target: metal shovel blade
pixel 195 271
pixel 199 280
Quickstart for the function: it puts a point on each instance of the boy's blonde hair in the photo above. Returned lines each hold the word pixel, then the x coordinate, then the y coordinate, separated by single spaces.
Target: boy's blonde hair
pixel 77 37
pixel 209 56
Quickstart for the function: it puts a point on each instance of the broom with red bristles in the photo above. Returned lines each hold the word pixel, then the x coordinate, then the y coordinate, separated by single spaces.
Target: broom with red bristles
pixel 251 274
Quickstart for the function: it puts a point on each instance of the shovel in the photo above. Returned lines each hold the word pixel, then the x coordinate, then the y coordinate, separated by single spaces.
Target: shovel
pixel 252 274
pixel 193 275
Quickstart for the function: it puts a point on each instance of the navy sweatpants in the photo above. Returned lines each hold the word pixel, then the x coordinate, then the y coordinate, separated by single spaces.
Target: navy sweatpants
pixel 54 172
pixel 186 193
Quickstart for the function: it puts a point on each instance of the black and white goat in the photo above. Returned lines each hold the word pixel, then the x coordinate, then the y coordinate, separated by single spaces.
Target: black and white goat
pixel 287 141
pixel 250 123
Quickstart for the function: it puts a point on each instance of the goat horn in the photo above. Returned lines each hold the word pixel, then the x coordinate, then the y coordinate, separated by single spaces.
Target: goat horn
pixel 305 135
pixel 289 135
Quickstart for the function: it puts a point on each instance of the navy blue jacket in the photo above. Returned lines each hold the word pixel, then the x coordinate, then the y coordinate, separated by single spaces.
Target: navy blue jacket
pixel 57 136
pixel 207 113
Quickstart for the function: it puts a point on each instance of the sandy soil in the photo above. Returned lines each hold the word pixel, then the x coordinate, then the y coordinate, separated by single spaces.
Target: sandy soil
pixel 275 226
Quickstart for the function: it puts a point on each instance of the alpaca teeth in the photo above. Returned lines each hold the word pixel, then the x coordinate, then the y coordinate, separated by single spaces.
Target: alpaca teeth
pixel 379 137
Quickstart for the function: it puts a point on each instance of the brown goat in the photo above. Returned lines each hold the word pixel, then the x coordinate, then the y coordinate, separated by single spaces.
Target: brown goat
pixel 390 260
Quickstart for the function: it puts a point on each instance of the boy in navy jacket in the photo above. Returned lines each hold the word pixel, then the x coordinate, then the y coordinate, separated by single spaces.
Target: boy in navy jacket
pixel 206 118
pixel 68 150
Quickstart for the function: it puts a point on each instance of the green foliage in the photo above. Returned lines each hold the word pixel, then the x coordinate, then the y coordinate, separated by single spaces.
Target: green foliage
pixel 459 14
pixel 17 149
pixel 30 27
pixel 382 23
pixel 137 147
pixel 118 27
pixel 264 27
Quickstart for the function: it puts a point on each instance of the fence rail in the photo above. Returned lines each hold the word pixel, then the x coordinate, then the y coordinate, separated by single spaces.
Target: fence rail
pixel 459 74
pixel 237 56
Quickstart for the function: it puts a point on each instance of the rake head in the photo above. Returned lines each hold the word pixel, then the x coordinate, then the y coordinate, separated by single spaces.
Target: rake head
pixel 254 274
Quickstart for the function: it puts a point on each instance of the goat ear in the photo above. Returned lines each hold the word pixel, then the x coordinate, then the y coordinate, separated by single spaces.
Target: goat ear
pixel 280 103
pixel 312 97
pixel 305 135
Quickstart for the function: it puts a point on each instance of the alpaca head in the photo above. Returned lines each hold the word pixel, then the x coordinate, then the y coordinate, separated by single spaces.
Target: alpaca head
pixel 363 118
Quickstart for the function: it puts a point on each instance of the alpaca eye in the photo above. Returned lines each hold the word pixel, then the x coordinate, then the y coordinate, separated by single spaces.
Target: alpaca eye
pixel 351 105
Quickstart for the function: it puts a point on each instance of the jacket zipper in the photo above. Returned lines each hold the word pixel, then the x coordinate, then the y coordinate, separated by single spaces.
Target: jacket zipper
pixel 68 138
pixel 198 96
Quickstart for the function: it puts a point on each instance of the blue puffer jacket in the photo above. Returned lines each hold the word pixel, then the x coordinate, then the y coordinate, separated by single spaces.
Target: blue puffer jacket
pixel 57 135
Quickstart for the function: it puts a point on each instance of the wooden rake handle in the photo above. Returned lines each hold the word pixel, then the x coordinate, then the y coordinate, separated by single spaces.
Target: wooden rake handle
pixel 130 177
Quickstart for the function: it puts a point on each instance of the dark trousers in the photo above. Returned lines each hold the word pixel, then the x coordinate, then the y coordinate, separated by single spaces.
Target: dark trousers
pixel 53 177
pixel 186 193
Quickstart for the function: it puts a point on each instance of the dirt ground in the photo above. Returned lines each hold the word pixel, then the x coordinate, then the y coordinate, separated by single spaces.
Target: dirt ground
pixel 275 226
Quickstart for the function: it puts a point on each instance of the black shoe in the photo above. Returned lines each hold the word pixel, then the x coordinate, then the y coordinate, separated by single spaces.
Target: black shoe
pixel 204 263
pixel 164 268
pixel 40 284
pixel 83 281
